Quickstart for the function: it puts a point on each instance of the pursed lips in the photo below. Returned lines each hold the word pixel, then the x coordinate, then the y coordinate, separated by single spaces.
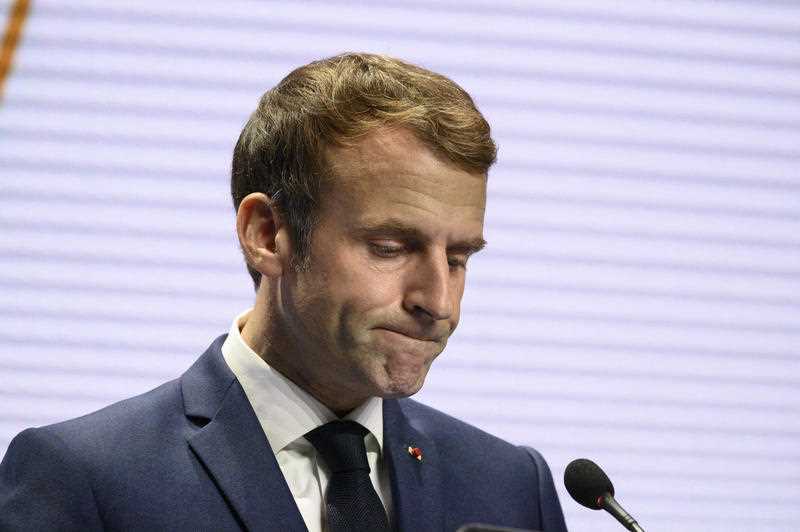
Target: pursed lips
pixel 414 336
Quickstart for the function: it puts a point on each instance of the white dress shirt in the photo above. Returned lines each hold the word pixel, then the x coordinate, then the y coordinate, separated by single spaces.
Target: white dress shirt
pixel 286 413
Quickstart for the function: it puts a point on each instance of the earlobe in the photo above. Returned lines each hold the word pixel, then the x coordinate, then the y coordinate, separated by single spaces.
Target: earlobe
pixel 259 226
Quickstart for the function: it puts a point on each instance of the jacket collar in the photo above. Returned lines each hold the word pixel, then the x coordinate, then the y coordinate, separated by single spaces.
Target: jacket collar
pixel 231 445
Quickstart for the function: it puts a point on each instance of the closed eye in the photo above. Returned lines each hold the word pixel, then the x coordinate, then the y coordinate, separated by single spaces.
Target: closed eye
pixel 457 262
pixel 385 250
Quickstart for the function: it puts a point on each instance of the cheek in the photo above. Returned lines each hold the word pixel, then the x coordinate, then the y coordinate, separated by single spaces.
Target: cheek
pixel 367 285
pixel 370 298
pixel 347 303
pixel 349 288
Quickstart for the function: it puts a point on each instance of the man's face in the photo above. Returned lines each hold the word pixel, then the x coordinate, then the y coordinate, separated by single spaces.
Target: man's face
pixel 383 289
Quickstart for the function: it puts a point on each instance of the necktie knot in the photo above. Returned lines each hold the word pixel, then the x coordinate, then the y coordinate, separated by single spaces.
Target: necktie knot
pixel 351 502
pixel 341 445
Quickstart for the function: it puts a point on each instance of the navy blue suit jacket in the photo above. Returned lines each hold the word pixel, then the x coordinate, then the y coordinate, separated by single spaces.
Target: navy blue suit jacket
pixel 191 455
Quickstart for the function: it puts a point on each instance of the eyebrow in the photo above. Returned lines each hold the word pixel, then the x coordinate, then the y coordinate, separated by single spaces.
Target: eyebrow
pixel 402 230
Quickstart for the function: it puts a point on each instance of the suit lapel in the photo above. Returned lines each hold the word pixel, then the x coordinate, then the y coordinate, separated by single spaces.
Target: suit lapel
pixel 233 448
pixel 416 484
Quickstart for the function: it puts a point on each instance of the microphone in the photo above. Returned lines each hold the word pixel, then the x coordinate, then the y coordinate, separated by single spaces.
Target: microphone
pixel 591 487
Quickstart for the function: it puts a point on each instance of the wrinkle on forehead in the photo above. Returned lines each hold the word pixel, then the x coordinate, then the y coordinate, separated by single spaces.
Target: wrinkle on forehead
pixel 430 204
pixel 376 152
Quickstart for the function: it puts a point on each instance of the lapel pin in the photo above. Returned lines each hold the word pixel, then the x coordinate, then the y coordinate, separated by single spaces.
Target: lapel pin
pixel 415 452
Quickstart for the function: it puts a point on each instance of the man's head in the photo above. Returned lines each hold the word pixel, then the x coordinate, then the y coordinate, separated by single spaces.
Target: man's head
pixel 281 151
pixel 360 190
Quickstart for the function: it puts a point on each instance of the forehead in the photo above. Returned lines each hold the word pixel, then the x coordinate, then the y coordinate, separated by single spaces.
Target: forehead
pixel 390 174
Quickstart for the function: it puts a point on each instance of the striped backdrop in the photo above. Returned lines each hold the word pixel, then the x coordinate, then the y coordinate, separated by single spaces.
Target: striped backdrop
pixel 639 300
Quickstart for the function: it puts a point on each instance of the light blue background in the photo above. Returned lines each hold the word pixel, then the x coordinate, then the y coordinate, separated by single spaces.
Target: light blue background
pixel 639 300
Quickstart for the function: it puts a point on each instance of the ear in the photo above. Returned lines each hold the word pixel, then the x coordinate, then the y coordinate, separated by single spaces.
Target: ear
pixel 263 235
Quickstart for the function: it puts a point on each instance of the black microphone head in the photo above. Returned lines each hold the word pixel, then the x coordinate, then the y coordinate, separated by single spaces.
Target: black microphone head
pixel 587 483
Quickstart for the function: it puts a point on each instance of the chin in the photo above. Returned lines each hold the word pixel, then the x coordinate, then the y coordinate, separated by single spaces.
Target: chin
pixel 398 391
pixel 402 383
pixel 398 372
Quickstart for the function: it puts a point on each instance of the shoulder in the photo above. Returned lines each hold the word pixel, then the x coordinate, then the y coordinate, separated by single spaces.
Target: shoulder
pixel 126 420
pixel 98 440
pixel 149 420
pixel 48 474
pixel 454 433
pixel 464 444
pixel 485 477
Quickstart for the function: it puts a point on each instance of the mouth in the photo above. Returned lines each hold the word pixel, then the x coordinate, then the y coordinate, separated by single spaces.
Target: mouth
pixel 411 335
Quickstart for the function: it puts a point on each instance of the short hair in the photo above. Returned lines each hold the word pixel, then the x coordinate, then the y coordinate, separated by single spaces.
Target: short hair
pixel 335 101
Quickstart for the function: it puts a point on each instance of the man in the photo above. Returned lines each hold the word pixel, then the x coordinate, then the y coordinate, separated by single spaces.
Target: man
pixel 359 184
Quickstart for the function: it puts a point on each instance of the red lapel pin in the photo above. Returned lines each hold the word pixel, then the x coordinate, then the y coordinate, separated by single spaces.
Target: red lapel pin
pixel 415 452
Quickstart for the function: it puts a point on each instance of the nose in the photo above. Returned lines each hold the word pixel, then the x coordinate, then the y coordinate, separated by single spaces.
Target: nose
pixel 429 292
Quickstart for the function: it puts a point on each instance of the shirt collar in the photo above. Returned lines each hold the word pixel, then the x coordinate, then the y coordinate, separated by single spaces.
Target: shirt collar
pixel 285 411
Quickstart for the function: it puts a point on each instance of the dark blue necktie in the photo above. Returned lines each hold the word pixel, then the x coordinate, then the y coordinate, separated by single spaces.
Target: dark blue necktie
pixel 351 503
